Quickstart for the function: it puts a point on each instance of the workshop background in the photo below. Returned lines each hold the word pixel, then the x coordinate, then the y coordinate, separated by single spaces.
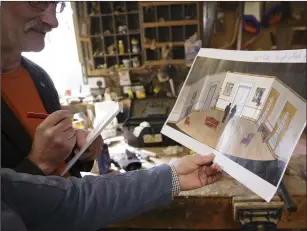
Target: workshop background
pixel 139 54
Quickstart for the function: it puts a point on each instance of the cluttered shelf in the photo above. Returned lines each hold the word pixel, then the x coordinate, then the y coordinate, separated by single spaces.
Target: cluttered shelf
pixel 121 35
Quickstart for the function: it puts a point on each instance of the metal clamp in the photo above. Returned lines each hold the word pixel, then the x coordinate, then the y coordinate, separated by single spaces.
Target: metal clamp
pixel 255 214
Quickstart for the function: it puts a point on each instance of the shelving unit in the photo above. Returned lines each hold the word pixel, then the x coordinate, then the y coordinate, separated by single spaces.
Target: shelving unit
pixel 102 25
pixel 159 27
pixel 165 27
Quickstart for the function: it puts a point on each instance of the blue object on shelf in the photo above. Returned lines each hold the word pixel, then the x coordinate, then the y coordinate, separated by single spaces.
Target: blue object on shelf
pixel 250 24
pixel 272 16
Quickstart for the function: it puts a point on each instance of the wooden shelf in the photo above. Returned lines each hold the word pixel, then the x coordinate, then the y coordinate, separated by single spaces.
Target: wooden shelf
pixel 106 71
pixel 125 54
pixel 84 39
pixel 298 46
pixel 120 13
pixel 111 35
pixel 115 14
pixel 142 25
pixel 165 62
pixel 164 3
pixel 109 17
pixel 158 45
pixel 118 34
pixel 170 23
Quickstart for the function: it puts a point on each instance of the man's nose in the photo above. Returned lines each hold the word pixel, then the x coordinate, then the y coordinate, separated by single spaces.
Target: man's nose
pixel 49 16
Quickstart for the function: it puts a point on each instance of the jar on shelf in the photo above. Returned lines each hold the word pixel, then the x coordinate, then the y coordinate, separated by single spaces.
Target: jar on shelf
pixel 135 46
pixel 135 61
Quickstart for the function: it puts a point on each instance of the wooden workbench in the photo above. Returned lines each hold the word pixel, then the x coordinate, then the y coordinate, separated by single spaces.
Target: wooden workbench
pixel 210 207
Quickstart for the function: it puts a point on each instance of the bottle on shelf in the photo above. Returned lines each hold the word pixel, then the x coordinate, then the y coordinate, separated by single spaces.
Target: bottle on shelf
pixel 121 48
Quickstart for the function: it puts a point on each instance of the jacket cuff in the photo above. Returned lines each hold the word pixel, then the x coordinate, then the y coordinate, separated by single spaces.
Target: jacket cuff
pixel 27 166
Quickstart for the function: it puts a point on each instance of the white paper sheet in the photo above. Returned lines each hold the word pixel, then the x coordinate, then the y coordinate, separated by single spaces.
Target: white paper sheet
pixel 111 111
pixel 266 117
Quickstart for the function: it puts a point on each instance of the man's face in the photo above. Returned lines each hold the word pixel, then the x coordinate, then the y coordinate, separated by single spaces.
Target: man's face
pixel 23 27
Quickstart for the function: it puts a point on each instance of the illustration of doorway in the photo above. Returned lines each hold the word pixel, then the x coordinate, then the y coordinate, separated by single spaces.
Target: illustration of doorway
pixel 208 101
pixel 188 110
pixel 282 125
pixel 241 98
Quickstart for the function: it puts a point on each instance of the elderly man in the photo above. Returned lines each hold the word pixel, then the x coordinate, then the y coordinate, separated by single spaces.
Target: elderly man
pixel 31 145
pixel 30 202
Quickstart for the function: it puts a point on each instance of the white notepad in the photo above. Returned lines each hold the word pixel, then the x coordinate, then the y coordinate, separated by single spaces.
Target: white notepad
pixel 111 111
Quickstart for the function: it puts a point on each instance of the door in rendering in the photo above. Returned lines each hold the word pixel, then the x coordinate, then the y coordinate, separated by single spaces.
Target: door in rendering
pixel 282 124
pixel 241 98
pixel 268 107
pixel 208 101
pixel 188 110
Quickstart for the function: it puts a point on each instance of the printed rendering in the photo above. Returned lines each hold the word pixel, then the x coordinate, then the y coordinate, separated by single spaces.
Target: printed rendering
pixel 253 119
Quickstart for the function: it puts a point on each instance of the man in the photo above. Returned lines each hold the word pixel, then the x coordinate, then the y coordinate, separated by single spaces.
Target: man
pixel 233 112
pixel 54 203
pixel 226 112
pixel 31 145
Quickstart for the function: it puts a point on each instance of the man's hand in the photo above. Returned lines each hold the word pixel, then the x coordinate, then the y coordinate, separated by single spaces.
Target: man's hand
pixel 196 171
pixel 93 151
pixel 53 142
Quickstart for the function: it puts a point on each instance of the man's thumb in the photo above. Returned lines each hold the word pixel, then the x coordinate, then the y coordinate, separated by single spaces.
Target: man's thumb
pixel 203 159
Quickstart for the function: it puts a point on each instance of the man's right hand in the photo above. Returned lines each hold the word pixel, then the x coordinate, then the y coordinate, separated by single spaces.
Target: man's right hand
pixel 53 142
pixel 195 171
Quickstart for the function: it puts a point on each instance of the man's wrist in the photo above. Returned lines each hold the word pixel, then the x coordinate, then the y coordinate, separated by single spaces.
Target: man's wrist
pixel 175 182
pixel 44 168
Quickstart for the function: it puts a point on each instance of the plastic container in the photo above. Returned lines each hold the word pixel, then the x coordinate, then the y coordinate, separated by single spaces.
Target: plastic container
pixel 155 116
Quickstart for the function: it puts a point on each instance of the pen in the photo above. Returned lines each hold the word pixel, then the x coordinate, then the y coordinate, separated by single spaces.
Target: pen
pixel 34 115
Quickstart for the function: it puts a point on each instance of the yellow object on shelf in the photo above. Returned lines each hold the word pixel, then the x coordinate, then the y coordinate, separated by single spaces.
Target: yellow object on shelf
pixel 140 92
pixel 140 95
pixel 121 47
pixel 157 90
pixel 130 94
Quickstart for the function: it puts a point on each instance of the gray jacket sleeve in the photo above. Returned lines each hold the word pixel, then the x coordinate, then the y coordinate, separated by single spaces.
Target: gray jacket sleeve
pixel 89 203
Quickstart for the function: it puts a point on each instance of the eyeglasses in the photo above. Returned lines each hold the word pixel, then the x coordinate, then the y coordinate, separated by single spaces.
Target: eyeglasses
pixel 59 6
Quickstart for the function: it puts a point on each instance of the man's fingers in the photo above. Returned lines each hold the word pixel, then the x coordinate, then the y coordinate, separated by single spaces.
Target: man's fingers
pixel 212 170
pixel 214 178
pixel 63 125
pixel 69 133
pixel 81 137
pixel 202 160
pixel 56 117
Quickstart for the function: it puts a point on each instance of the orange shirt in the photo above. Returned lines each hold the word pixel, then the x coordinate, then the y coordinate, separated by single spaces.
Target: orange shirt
pixel 20 94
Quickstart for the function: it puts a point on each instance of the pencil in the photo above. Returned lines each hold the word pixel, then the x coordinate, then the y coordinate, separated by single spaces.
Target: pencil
pixel 34 115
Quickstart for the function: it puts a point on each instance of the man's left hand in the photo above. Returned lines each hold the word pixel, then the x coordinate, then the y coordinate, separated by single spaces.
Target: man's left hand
pixel 93 151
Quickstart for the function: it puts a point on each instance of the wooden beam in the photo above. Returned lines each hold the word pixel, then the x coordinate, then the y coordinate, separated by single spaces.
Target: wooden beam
pixel 164 3
pixel 175 44
pixel 165 62
pixel 84 39
pixel 106 71
pixel 170 23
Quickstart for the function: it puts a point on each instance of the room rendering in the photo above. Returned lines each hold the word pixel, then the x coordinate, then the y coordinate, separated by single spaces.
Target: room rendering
pixel 244 116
